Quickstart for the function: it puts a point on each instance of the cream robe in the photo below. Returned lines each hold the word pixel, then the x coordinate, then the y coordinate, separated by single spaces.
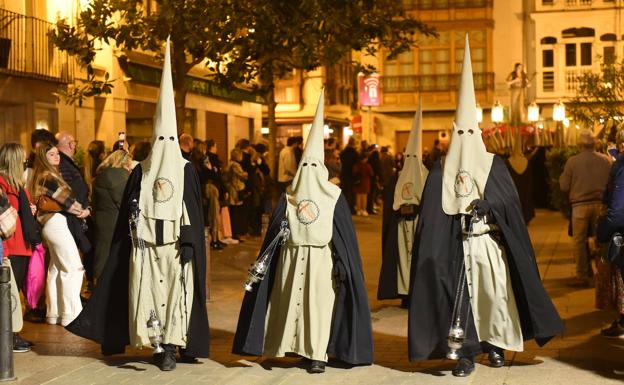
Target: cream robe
pixel 156 284
pixel 300 310
pixel 406 231
pixel 489 284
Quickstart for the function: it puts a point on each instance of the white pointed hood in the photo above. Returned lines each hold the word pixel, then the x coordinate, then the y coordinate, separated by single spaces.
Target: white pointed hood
pixel 412 177
pixel 162 182
pixel 311 198
pixel 467 164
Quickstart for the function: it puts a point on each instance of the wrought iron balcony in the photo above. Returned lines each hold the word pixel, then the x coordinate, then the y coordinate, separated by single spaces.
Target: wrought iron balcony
pixel 434 83
pixel 410 5
pixel 25 49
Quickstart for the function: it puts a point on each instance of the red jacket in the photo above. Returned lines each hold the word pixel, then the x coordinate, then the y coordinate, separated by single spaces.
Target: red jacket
pixel 16 244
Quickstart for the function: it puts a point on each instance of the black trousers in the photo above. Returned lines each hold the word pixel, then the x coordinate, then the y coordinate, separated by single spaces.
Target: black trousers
pixel 19 265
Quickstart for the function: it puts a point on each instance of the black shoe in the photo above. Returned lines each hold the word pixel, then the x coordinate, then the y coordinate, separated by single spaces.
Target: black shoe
pixel 167 359
pixel 222 244
pixel 464 367
pixel 497 358
pixel 216 246
pixel 614 331
pixel 404 303
pixel 35 316
pixel 317 366
pixel 19 345
pixel 186 359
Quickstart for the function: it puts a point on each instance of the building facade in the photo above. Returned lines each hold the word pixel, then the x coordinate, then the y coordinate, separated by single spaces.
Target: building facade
pixel 32 70
pixel 430 71
pixel 572 37
pixel 297 97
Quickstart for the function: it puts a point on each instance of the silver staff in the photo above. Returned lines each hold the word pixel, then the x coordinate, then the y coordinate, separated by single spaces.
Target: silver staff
pixel 457 332
pixel 133 224
pixel 259 269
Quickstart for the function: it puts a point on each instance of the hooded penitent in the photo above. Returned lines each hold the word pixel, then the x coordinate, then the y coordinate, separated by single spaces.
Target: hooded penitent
pixel 412 177
pixel 503 300
pixel 467 163
pixel 163 170
pixel 311 198
pixel 313 300
pixel 159 266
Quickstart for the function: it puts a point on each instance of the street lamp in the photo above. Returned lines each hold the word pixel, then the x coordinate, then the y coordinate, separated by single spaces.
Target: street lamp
pixel 479 114
pixel 497 112
pixel 559 117
pixel 559 111
pixel 533 116
pixel 533 112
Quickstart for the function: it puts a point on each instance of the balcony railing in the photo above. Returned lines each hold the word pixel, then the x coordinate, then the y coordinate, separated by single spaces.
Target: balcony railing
pixel 410 5
pixel 25 49
pixel 434 83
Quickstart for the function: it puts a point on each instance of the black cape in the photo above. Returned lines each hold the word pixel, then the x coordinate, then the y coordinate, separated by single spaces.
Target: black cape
pixel 388 285
pixel 351 338
pixel 438 256
pixel 104 319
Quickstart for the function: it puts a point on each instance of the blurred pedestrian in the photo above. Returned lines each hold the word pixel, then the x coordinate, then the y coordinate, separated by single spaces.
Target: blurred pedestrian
pixel 362 180
pixel 186 145
pixel 287 165
pixel 373 160
pixel 234 180
pixel 56 203
pixel 348 158
pixel 584 179
pixel 95 155
pixel 609 280
pixel 108 187
pixel 17 248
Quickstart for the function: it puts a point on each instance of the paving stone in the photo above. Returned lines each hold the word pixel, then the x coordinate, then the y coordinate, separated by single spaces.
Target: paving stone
pixel 579 356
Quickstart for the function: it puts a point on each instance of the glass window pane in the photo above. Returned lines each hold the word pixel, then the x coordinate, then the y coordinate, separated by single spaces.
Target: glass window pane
pixel 426 55
pixel 442 68
pixel 477 54
pixel 478 67
pixel 406 69
pixel 477 37
pixel 426 69
pixel 406 57
pixel 570 52
pixel 608 53
pixel 391 70
pixel 548 58
pixel 586 54
pixel 442 55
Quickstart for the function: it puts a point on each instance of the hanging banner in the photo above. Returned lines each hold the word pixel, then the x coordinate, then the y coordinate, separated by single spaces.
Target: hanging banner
pixel 370 90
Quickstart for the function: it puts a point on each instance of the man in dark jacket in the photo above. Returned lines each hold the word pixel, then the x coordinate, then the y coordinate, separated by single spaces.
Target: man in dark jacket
pixel 348 158
pixel 72 175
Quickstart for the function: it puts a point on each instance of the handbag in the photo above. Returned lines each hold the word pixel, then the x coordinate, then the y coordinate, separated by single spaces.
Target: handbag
pixel 47 204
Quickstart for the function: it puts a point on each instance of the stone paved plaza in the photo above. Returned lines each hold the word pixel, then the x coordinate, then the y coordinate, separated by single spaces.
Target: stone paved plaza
pixel 579 356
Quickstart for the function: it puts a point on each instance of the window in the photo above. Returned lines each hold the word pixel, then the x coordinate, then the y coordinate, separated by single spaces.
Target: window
pixel 586 54
pixel 608 54
pixel 548 81
pixel 548 2
pixel 570 55
pixel 548 58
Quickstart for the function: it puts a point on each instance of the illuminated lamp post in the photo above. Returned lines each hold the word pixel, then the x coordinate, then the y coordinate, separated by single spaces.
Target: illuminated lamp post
pixel 559 117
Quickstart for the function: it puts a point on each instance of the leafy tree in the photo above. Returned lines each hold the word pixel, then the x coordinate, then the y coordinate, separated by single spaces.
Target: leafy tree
pixel 243 42
pixel 278 36
pixel 599 96
pixel 197 31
